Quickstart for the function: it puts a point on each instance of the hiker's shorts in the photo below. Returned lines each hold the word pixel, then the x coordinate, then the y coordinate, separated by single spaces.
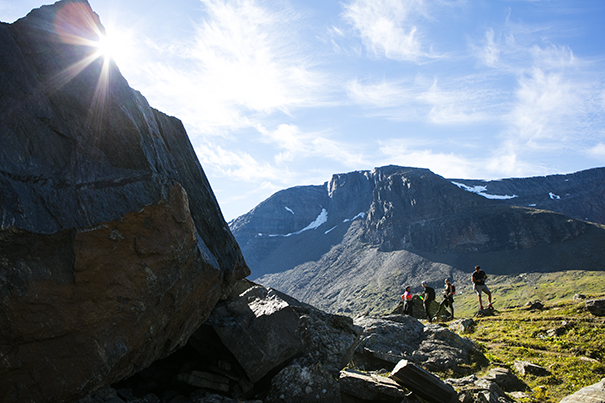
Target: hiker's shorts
pixel 479 288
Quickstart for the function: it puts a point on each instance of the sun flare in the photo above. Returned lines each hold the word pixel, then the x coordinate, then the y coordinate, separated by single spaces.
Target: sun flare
pixel 106 46
pixel 117 45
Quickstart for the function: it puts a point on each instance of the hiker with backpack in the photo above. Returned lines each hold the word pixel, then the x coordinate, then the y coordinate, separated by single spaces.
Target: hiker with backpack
pixel 448 296
pixel 478 278
pixel 427 297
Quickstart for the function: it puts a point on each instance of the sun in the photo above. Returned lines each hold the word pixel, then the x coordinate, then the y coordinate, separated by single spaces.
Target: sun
pixel 111 46
pixel 106 46
pixel 115 44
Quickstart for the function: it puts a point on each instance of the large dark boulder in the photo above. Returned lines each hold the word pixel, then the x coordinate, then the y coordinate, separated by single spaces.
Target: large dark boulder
pixel 259 328
pixel 113 249
pixel 287 350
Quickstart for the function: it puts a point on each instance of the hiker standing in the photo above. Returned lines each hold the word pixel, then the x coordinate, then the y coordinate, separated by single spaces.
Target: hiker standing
pixel 407 301
pixel 428 297
pixel 448 296
pixel 478 278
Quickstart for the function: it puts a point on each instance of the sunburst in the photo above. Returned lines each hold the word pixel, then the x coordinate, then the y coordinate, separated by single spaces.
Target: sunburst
pixel 76 24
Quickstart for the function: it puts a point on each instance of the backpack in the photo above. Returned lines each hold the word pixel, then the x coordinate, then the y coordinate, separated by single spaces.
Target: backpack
pixel 453 289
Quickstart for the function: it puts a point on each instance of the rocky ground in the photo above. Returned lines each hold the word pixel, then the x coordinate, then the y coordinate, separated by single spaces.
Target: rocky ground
pixel 262 346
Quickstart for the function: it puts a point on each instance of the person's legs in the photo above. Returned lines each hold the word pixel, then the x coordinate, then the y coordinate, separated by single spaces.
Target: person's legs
pixel 477 289
pixel 426 310
pixel 489 295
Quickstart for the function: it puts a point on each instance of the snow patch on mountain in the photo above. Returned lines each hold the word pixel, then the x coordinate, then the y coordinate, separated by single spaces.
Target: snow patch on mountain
pixel 360 215
pixel 480 191
pixel 330 230
pixel 289 209
pixel 554 196
pixel 321 218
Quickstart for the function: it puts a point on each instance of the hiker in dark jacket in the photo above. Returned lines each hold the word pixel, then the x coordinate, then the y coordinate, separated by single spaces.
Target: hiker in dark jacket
pixel 448 296
pixel 478 278
pixel 428 296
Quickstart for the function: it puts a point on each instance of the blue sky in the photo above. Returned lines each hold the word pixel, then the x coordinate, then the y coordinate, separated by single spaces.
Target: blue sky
pixel 275 94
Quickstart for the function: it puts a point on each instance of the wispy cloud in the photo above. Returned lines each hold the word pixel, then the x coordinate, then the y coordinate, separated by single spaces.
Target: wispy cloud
pixel 293 144
pixel 237 164
pixel 545 103
pixel 387 28
pixel 382 94
pixel 413 154
pixel 597 151
pixel 488 163
pixel 459 100
pixel 238 64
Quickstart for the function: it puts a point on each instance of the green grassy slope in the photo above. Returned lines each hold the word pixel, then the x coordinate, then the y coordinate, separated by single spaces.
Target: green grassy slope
pixel 575 358
pixel 517 290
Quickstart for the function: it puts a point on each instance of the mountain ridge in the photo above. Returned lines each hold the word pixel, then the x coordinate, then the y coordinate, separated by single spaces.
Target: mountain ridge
pixel 395 225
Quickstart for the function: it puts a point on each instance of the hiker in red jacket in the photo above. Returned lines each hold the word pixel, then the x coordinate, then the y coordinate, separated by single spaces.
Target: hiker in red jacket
pixel 407 301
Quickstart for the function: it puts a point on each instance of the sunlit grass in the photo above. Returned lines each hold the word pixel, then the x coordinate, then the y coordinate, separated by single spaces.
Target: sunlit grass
pixel 516 290
pixel 575 358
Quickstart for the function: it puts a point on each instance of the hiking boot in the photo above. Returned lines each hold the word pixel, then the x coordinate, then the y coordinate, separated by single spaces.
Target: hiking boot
pixel 490 306
pixel 480 307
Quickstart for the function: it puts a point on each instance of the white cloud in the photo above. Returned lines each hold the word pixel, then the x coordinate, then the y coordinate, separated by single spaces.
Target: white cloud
pixel 465 100
pixel 597 151
pixel 553 57
pixel 383 94
pixel 545 102
pixel 298 145
pixel 462 104
pixel 343 153
pixel 238 67
pixel 494 163
pixel 415 153
pixel 287 137
pixel 237 164
pixel 490 52
pixel 386 27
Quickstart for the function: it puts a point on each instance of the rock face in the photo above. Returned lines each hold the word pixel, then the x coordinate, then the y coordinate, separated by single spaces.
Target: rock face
pixel 579 195
pixel 113 249
pixel 259 328
pixel 293 354
pixel 365 235
pixel 387 340
pixel 272 336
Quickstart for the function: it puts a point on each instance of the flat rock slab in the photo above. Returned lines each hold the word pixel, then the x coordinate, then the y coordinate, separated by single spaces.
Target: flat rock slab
pixel 388 339
pixel 590 394
pixel 370 387
pixel 423 383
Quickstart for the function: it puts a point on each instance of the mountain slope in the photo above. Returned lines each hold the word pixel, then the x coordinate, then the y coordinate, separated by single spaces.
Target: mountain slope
pixel 364 235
